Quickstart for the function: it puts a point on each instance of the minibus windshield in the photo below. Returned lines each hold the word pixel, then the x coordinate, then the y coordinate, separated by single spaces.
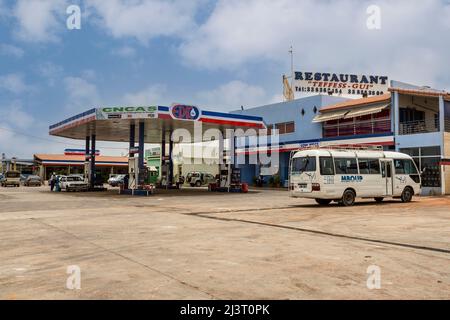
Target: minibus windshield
pixel 303 164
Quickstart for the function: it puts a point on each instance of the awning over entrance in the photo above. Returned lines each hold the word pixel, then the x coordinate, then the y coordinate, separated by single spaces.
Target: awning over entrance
pixel 352 113
pixel 364 111
pixel 332 115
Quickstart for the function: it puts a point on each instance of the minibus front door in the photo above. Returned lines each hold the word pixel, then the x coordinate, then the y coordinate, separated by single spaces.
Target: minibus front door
pixel 386 172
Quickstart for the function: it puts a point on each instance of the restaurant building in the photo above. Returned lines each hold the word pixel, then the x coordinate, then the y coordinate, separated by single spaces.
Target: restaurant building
pixel 410 119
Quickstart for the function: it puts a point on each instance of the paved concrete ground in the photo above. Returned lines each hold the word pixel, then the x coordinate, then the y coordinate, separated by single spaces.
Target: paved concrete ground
pixel 198 245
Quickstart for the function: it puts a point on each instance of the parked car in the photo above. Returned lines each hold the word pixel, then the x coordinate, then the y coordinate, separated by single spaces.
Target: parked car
pixel 117 180
pixel 198 179
pixel 11 178
pixel 23 177
pixel 32 180
pixel 73 183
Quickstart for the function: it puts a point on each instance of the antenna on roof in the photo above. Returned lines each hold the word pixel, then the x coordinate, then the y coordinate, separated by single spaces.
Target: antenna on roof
pixel 288 92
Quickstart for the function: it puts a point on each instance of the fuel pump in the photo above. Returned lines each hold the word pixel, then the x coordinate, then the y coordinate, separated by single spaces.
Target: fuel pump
pixel 133 173
pixel 87 171
pixel 165 164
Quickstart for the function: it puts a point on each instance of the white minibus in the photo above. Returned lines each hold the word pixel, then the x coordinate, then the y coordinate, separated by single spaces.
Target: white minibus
pixel 328 175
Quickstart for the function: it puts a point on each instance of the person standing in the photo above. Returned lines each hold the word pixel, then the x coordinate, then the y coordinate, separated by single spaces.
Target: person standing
pixel 52 181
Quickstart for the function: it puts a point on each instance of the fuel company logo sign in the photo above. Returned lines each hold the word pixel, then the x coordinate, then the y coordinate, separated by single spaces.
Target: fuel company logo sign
pixel 129 109
pixel 185 112
pixel 138 112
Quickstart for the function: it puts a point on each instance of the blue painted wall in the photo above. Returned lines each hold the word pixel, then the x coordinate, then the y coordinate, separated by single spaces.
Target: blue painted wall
pixel 305 129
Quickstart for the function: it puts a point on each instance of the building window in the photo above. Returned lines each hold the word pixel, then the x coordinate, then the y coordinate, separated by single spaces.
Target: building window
pixel 285 127
pixel 281 127
pixel 290 127
pixel 427 160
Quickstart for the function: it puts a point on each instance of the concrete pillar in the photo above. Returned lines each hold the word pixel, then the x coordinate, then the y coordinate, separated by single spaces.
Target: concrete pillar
pixel 132 137
pixel 87 158
pixel 221 138
pixel 395 117
pixel 92 182
pixel 163 152
pixel 442 134
pixel 141 152
pixel 170 159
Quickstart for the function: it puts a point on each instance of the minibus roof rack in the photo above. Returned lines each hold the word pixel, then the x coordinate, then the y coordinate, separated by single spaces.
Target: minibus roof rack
pixel 359 146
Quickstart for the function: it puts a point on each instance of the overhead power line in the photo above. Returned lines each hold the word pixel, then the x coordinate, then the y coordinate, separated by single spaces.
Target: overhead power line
pixel 55 141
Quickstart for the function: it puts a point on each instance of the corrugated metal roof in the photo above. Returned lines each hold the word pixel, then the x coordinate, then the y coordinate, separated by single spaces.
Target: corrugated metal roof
pixel 385 98
pixel 426 92
pixel 79 158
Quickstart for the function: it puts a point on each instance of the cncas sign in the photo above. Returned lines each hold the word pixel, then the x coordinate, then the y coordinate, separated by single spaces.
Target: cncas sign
pixel 129 109
pixel 138 112
pixel 185 112
pixel 339 83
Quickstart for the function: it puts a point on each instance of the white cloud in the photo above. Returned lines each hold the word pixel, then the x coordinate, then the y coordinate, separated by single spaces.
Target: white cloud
pixel 19 131
pixel 124 52
pixel 81 94
pixel 14 113
pixel 11 50
pixel 145 19
pixel 151 95
pixel 38 20
pixel 13 83
pixel 326 35
pixel 51 71
pixel 232 96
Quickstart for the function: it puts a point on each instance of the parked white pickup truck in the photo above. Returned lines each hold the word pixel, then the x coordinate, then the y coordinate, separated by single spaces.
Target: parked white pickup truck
pixel 73 183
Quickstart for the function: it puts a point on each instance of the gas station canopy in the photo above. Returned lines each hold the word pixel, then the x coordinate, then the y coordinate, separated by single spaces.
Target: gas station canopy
pixel 113 123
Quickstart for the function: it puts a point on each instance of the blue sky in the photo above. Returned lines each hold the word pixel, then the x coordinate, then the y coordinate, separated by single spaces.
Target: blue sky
pixel 215 54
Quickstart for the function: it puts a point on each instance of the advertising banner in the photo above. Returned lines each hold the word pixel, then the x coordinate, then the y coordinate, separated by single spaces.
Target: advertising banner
pixel 338 83
pixel 141 112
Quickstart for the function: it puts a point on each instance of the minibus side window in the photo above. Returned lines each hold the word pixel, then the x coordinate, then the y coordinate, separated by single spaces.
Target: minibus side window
pixel 346 165
pixel 374 166
pixel 364 167
pixel 326 166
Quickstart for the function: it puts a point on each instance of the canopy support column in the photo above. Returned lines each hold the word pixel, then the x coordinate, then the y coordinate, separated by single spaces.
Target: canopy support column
pixel 162 171
pixel 132 138
pixel 170 159
pixel 141 152
pixel 92 180
pixel 87 159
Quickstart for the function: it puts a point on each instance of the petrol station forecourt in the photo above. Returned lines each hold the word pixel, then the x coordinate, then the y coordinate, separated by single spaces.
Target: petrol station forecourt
pixel 186 244
pixel 152 124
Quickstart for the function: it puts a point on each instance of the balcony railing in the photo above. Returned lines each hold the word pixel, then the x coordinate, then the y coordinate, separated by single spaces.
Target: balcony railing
pixel 447 125
pixel 357 128
pixel 421 126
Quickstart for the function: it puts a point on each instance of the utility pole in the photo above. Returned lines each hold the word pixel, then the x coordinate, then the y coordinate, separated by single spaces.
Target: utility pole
pixel 291 51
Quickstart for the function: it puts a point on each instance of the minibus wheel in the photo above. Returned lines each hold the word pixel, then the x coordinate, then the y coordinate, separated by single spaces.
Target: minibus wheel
pixel 379 199
pixel 407 194
pixel 323 202
pixel 348 198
